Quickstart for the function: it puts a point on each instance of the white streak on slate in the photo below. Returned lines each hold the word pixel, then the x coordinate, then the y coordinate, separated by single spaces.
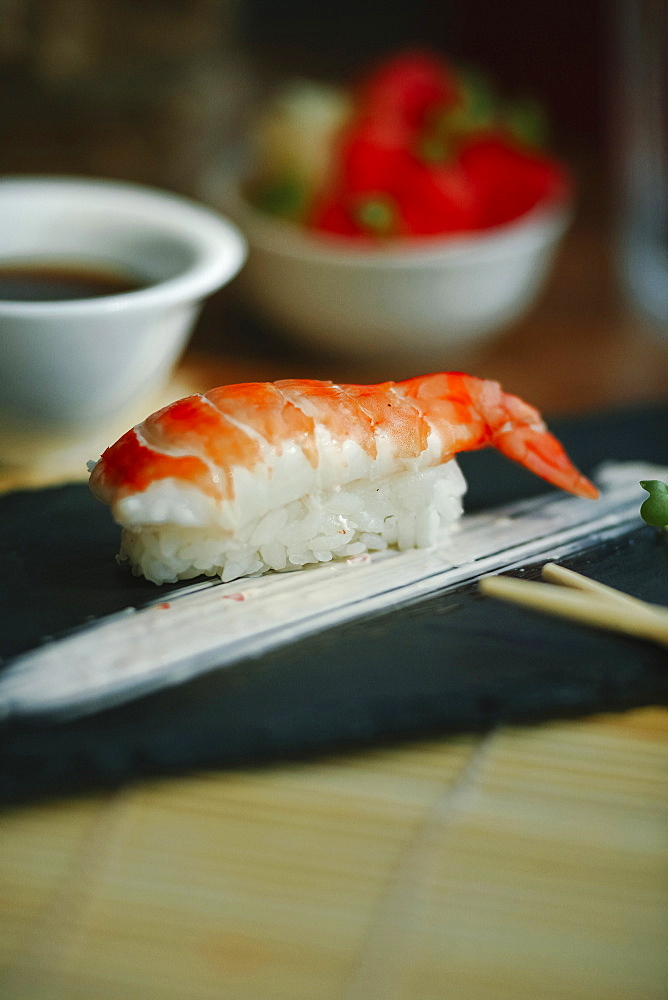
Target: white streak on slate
pixel 212 625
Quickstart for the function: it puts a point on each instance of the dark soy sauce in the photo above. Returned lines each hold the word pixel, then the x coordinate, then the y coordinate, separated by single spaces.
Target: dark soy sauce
pixel 62 282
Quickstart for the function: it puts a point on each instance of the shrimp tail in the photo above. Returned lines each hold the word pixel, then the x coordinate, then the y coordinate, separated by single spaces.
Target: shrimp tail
pixel 525 439
pixel 473 413
pixel 541 453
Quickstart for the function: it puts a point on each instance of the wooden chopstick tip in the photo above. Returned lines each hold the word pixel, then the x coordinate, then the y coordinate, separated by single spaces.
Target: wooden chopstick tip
pixel 600 606
pixel 492 585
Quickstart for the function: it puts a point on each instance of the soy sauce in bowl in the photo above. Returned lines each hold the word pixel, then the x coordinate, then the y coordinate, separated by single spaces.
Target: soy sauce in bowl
pixel 56 281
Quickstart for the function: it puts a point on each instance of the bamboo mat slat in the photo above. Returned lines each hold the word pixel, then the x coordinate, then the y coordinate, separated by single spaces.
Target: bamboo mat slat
pixel 528 863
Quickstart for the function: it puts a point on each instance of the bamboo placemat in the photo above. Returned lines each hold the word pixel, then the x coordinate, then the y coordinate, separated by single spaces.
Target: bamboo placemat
pixel 528 863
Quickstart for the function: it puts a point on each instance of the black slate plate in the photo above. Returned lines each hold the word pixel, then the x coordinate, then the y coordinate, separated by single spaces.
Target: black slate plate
pixel 450 663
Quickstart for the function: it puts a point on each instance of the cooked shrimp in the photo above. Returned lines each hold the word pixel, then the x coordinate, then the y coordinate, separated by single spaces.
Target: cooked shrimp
pixel 223 461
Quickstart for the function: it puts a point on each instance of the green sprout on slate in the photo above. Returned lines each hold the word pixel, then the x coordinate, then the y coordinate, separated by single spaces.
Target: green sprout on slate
pixel 654 510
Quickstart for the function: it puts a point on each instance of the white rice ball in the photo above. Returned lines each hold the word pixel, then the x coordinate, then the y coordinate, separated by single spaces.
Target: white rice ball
pixel 408 509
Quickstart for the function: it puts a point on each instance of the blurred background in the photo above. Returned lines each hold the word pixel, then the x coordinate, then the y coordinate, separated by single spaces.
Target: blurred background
pixel 150 91
pixel 155 92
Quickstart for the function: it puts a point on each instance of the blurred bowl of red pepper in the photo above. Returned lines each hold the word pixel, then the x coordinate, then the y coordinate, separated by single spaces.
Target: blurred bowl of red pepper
pixel 413 213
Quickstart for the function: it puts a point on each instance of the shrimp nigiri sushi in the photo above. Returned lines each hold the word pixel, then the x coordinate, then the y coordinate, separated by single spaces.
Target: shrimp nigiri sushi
pixel 273 476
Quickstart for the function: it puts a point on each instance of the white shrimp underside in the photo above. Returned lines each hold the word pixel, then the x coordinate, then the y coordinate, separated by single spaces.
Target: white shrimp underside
pixel 404 510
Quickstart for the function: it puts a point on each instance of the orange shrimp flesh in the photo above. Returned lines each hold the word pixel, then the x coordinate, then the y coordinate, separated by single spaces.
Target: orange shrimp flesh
pixel 196 441
pixel 473 413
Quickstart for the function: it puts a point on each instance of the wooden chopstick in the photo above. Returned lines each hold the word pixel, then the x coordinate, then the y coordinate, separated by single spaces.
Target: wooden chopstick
pixel 583 600
pixel 554 573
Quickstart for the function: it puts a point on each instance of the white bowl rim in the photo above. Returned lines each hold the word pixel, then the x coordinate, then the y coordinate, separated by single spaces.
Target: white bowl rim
pixel 540 225
pixel 222 247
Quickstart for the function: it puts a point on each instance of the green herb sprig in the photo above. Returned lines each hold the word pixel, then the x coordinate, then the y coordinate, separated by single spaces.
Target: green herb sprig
pixel 654 509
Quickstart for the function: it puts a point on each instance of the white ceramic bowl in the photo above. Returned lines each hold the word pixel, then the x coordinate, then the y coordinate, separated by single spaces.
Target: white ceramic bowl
pixel 423 300
pixel 69 366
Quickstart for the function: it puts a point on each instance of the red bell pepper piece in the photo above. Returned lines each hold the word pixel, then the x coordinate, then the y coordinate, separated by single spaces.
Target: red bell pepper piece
pixel 419 201
pixel 406 87
pixel 372 154
pixel 331 214
pixel 437 199
pixel 509 179
pixel 369 160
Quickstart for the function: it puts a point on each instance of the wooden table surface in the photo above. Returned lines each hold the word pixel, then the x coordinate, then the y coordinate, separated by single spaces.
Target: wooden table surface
pixel 530 863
